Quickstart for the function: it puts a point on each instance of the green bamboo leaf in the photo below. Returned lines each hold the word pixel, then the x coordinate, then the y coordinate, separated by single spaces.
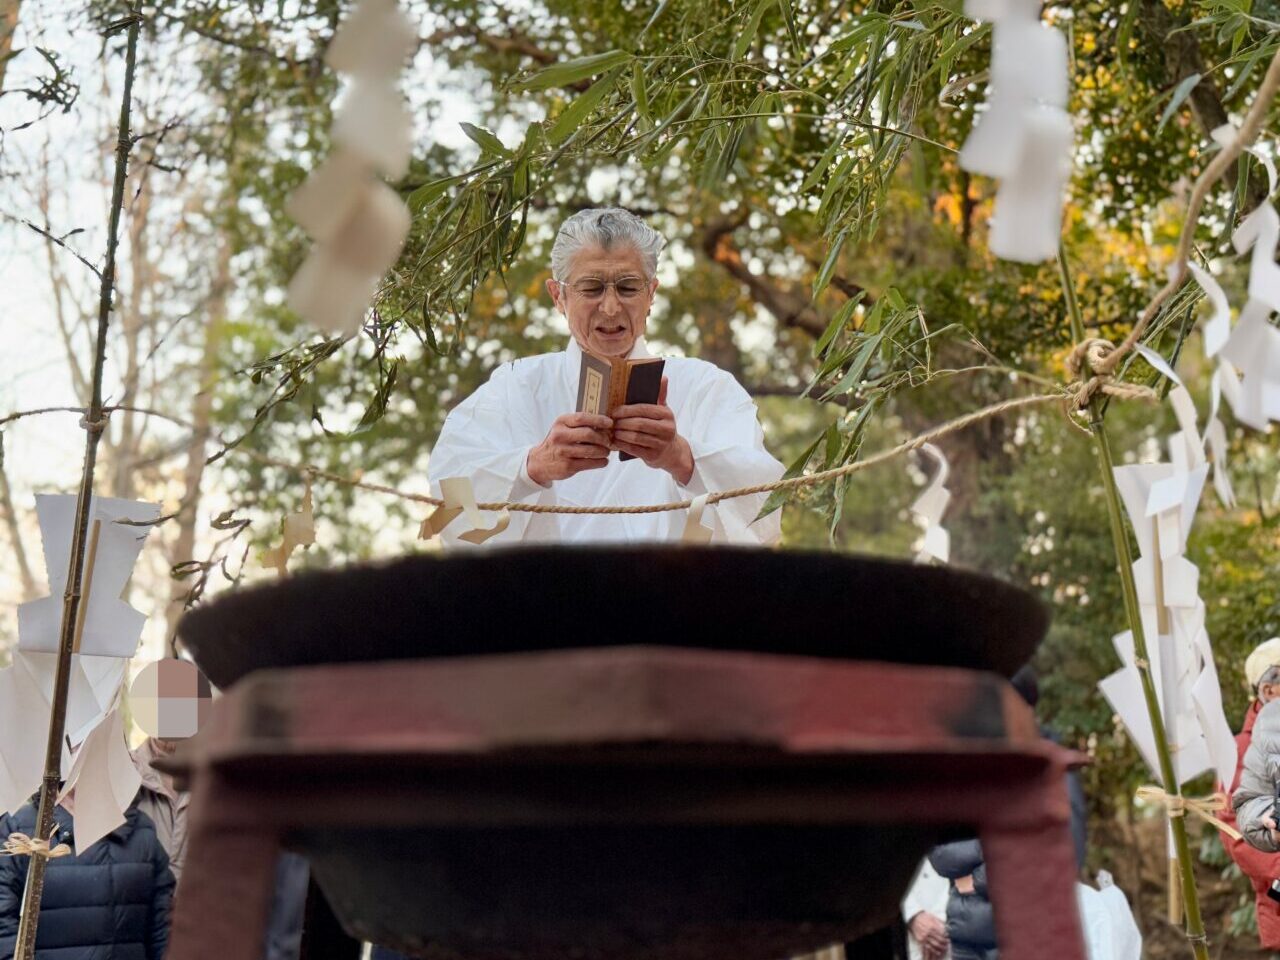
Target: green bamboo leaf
pixel 834 184
pixel 569 72
pixel 743 42
pixel 1125 33
pixel 429 193
pixel 833 444
pixel 578 111
pixel 789 14
pixel 820 167
pixel 662 6
pixel 1180 94
pixel 858 369
pixel 823 278
pixel 485 139
pixel 779 497
pixel 640 92
pixel 838 323
pixel 871 324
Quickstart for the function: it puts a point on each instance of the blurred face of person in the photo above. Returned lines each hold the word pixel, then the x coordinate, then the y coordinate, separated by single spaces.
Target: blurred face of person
pixel 606 298
pixel 1268 692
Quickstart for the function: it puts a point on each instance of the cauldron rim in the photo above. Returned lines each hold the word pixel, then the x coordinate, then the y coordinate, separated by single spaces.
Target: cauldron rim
pixel 717 595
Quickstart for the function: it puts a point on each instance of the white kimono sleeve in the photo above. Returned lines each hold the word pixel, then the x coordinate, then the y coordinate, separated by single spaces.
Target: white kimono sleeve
pixel 487 437
pixel 727 443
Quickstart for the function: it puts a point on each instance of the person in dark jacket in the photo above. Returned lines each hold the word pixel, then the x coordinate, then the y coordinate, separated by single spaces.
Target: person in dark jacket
pixel 109 903
pixel 971 924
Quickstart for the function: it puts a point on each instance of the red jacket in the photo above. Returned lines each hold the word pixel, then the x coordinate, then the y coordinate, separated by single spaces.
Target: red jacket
pixel 1261 868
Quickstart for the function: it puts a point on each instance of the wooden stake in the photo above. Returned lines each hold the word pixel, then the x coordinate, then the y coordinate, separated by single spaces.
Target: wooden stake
pixel 87 585
pixel 94 423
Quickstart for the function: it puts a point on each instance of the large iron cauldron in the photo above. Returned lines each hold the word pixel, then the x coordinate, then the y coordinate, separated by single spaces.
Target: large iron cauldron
pixel 632 877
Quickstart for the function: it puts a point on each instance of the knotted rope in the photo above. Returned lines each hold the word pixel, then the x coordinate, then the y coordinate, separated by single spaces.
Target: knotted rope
pixel 1206 808
pixel 20 845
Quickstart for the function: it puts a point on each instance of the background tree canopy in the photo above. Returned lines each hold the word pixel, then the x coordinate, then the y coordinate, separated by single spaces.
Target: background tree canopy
pixel 824 247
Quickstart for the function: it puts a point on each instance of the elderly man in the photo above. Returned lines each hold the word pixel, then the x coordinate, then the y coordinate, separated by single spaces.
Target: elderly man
pixel 1261 866
pixel 519 439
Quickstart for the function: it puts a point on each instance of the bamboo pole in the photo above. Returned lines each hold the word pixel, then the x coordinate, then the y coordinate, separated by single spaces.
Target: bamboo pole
pixel 1124 562
pixel 93 422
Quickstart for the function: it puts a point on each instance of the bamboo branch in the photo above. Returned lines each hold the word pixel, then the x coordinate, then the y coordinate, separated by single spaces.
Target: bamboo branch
pixel 94 421
pixel 1124 566
pixel 1248 133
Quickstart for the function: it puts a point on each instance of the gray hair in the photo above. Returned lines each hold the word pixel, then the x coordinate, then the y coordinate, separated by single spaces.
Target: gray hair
pixel 605 227
pixel 1272 675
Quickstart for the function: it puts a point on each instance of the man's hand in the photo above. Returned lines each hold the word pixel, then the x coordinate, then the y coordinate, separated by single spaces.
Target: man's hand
pixel 1270 824
pixel 575 442
pixel 648 431
pixel 931 933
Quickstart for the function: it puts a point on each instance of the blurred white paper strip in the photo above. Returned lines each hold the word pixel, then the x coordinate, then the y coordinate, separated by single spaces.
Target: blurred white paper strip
pixel 1024 135
pixel 1215 438
pixel 23 714
pixel 1218 327
pixel 935 543
pixel 1225 136
pixel 105 782
pixel 1161 500
pixel 460 498
pixel 1260 231
pixel 694 531
pixel 359 223
pixel 109 626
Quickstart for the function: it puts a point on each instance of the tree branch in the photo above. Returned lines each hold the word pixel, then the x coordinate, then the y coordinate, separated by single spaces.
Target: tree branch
pixel 513 43
pixel 790 308
pixel 815 393
pixel 60 241
pixel 1182 58
pixel 257 49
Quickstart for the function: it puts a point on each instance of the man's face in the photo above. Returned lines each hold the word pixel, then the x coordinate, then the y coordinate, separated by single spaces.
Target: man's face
pixel 606 298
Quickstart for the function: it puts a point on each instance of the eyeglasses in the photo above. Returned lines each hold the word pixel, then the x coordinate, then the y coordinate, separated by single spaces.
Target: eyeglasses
pixel 593 288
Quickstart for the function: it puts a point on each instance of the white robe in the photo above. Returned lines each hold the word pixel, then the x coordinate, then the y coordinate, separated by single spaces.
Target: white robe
pixel 488 437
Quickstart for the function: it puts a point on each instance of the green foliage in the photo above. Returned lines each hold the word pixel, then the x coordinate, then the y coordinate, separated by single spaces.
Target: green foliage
pixel 800 157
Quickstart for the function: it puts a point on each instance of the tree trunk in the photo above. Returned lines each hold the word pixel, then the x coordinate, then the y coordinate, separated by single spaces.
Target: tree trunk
pixel 201 412
pixel 1182 58
pixel 8 26
pixel 133 322
pixel 15 532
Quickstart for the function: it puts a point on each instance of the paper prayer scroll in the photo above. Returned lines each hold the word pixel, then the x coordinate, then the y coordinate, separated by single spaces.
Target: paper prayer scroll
pixel 460 498
pixel 694 531
pixel 1225 136
pixel 26 697
pixel 110 627
pixel 935 543
pixel 105 782
pixel 1161 500
pixel 359 223
pixel 296 530
pixel 1024 136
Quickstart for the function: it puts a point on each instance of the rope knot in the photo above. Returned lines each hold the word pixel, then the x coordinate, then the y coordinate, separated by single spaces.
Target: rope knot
pixel 1098 357
pixel 20 845
pixel 1206 808
pixel 95 426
